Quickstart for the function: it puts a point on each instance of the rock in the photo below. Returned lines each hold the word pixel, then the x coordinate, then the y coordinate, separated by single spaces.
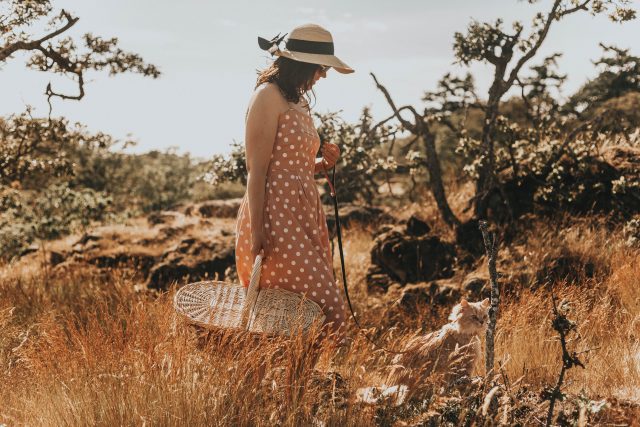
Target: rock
pixel 382 395
pixel 356 214
pixel 220 208
pixel 417 227
pixel 469 237
pixel 476 287
pixel 56 257
pixel 30 249
pixel 185 245
pixel 377 280
pixel 194 260
pixel 382 229
pixel 164 217
pixel 409 259
pixel 137 260
pixel 437 292
pixel 567 267
pixel 169 232
pixel 86 238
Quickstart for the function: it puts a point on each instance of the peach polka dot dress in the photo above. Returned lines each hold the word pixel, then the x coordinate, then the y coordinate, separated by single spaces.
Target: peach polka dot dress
pixel 300 259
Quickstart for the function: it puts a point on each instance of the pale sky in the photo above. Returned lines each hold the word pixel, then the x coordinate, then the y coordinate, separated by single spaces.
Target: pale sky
pixel 208 53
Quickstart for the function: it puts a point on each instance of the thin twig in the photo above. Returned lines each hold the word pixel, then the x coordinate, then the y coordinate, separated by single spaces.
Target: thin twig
pixel 569 360
pixel 491 249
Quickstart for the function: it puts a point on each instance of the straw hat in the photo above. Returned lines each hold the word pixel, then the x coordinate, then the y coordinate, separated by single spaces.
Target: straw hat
pixel 307 43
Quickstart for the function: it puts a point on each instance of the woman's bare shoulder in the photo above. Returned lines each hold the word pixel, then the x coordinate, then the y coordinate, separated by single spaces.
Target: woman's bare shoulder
pixel 267 96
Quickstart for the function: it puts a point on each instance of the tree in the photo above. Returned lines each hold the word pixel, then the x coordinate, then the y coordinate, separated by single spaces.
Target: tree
pixel 50 53
pixel 487 42
pixel 620 75
pixel 28 143
pixel 360 164
pixel 422 127
pixel 38 198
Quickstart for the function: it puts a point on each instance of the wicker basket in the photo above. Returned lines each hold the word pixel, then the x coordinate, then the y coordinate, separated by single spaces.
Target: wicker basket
pixel 216 304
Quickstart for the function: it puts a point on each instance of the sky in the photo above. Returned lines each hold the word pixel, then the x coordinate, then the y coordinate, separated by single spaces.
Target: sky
pixel 208 54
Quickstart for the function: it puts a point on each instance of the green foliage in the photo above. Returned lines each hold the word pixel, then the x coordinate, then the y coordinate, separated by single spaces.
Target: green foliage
pixel 57 178
pixel 52 54
pixel 55 211
pixel 482 42
pixel 488 42
pixel 155 181
pixel 631 232
pixel 620 75
pixel 227 169
pixel 360 161
pixel 29 149
pixel 359 164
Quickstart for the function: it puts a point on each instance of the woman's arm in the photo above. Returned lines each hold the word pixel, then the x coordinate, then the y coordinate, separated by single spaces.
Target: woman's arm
pixel 260 132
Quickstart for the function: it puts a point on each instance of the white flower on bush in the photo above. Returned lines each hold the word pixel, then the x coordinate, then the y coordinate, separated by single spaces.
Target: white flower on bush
pixel 631 232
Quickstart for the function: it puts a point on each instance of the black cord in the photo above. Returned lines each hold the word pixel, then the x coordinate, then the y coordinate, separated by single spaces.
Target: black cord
pixel 344 274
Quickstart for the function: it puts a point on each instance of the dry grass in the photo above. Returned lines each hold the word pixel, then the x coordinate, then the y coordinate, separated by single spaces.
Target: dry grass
pixel 86 349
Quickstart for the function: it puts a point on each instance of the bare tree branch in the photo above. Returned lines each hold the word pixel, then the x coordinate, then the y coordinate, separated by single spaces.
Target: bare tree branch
pixel 421 128
pixel 10 49
pixel 531 53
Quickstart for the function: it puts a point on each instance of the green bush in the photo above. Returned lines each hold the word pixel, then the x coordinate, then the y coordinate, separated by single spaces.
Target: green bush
pixel 56 211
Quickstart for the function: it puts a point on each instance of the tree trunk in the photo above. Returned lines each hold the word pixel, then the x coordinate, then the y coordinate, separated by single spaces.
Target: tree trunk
pixel 485 183
pixel 435 180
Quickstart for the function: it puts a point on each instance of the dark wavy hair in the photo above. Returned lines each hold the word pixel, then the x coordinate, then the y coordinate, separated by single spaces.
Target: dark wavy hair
pixel 292 77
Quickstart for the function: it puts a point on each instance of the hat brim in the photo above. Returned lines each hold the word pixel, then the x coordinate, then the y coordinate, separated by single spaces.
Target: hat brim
pixel 316 58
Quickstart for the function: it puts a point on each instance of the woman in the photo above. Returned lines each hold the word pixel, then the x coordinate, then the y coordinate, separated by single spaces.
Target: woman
pixel 281 214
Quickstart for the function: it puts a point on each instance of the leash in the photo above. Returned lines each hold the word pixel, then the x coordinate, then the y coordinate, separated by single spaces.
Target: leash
pixel 344 274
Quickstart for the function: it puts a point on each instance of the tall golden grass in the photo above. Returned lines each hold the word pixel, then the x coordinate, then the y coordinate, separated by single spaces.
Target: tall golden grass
pixel 82 347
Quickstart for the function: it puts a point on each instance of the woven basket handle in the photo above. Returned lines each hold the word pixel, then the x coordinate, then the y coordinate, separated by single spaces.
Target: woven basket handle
pixel 252 292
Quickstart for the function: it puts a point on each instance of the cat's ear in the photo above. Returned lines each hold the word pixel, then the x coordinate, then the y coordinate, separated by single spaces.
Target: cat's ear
pixel 464 302
pixel 485 302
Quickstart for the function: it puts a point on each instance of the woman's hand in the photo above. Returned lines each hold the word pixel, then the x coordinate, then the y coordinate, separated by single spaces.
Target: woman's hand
pixel 330 154
pixel 259 243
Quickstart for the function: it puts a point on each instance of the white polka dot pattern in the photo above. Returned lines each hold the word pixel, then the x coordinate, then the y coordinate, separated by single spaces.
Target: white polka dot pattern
pixel 295 221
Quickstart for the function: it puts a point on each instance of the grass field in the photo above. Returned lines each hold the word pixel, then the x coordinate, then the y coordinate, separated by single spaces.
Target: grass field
pixel 82 346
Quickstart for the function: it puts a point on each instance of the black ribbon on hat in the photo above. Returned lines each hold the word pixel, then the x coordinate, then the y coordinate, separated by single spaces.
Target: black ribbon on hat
pixel 308 46
pixel 297 45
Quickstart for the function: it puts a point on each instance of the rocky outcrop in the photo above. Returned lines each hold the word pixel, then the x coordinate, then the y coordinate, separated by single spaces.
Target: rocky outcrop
pixel 438 292
pixel 476 286
pixel 138 260
pixel 417 227
pixel 378 281
pixel 567 267
pixel 595 184
pixel 192 260
pixel 409 259
pixel 216 208
pixel 356 214
pixel 163 217
pixel 174 248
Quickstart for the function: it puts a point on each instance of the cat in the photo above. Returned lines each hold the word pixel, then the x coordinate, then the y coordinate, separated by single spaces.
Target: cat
pixel 451 351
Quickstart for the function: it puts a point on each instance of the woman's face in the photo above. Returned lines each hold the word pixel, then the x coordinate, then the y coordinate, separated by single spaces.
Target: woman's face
pixel 321 72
